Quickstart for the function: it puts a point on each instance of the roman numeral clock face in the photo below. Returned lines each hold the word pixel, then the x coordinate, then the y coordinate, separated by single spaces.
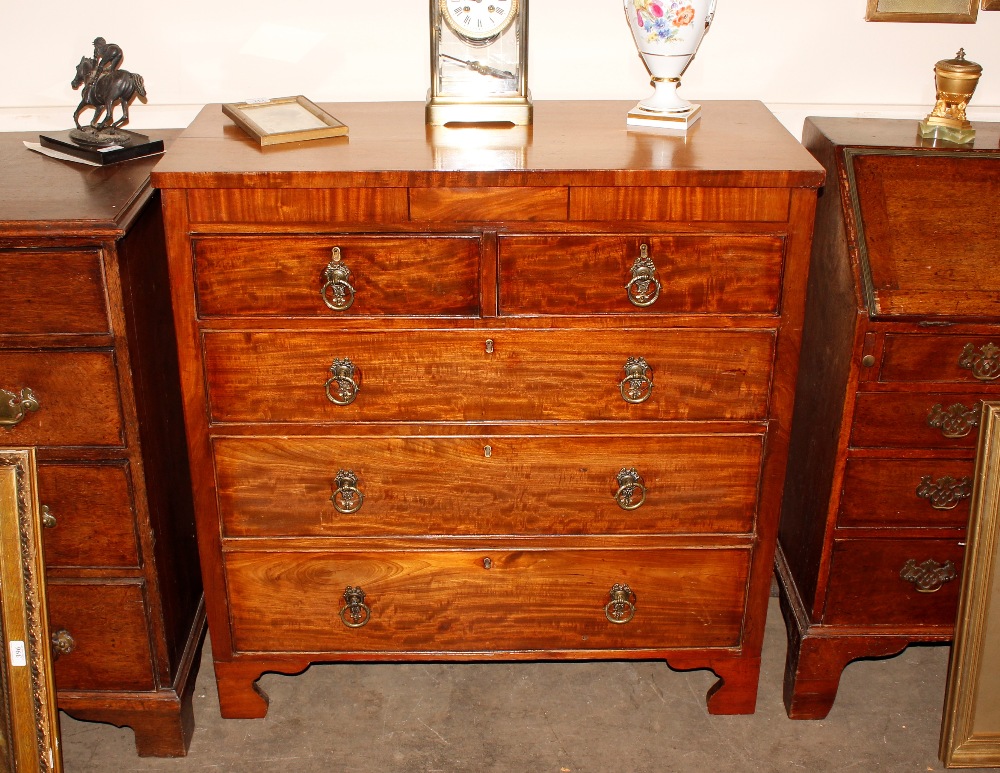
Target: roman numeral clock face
pixel 479 20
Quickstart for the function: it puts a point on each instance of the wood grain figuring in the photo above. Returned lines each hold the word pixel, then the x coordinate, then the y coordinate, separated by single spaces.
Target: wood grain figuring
pixel 530 375
pixel 930 358
pixel 589 274
pixel 900 421
pixel 447 486
pixel 666 204
pixel 485 205
pixel 450 602
pixel 349 205
pixel 432 275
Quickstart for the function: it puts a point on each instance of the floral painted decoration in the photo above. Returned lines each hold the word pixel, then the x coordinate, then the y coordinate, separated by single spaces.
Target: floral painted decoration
pixel 662 19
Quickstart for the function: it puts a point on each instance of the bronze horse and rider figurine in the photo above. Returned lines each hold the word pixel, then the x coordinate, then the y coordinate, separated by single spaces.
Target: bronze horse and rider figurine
pixel 104 84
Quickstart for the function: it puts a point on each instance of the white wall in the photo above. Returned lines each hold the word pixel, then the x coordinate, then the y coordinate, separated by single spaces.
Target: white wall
pixel 801 57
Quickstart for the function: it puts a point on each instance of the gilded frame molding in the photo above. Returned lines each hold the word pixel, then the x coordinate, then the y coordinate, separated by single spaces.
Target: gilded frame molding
pixel 970 729
pixel 873 13
pixel 991 5
pixel 29 720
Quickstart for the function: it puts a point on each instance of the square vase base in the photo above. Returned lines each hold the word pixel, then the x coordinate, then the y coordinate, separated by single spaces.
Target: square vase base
pixel 672 121
pixel 955 134
pixel 134 146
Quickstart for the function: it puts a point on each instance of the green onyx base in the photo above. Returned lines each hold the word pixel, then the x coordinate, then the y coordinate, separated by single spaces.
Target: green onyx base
pixel 949 133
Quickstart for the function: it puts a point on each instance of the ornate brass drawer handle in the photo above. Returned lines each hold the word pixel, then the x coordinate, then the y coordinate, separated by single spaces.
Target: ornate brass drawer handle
pixel 342 386
pixel 644 288
pixel 337 291
pixel 621 608
pixel 347 498
pixel 929 576
pixel 63 642
pixel 356 612
pixel 946 492
pixel 637 385
pixel 957 421
pixel 984 364
pixel 631 487
pixel 14 407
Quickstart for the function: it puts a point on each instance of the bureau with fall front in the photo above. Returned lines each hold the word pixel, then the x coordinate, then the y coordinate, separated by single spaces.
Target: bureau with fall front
pixel 480 393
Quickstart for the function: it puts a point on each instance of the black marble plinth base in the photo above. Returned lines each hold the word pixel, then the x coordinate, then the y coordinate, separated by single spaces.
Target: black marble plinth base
pixel 131 145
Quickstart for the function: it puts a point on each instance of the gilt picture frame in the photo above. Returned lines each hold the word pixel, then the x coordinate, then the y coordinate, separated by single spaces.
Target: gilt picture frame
pixel 991 5
pixel 284 119
pixel 970 731
pixel 29 725
pixel 935 11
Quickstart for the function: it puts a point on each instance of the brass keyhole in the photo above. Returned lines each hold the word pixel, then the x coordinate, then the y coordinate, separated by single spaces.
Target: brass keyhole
pixel 489 346
pixel 487 451
pixel 487 563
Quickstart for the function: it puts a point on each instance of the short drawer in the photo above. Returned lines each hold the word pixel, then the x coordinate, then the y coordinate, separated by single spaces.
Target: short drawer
pixel 416 486
pixel 337 276
pixel 942 359
pixel 487 600
pixel 52 292
pixel 916 420
pixel 60 399
pixel 497 375
pixel 90 521
pixel 104 636
pixel 894 493
pixel 894 582
pixel 629 273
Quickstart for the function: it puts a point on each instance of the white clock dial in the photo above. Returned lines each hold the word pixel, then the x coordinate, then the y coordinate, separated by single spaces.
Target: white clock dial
pixel 479 19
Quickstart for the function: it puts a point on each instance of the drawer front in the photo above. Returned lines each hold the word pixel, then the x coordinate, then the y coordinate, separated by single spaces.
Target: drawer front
pixel 110 639
pixel 525 485
pixel 942 359
pixel 92 522
pixel 929 420
pixel 489 375
pixel 867 587
pixel 298 276
pixel 609 275
pixel 75 399
pixel 52 292
pixel 678 204
pixel 490 600
pixel 894 493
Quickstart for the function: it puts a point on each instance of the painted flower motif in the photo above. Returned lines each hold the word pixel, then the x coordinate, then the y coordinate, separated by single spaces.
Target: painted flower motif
pixel 684 16
pixel 662 19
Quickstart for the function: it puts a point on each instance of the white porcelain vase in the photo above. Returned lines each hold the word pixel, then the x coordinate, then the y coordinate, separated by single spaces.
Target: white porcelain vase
pixel 667 34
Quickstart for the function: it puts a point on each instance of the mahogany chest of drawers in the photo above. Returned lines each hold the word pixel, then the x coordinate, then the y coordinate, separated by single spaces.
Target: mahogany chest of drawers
pixel 88 370
pixel 901 345
pixel 471 393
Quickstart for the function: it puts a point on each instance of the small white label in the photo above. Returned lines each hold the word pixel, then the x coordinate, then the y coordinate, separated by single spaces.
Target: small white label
pixel 109 148
pixel 18 656
pixel 257 101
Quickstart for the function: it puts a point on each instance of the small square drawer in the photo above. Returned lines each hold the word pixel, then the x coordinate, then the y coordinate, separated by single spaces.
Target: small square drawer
pixel 338 276
pixel 630 273
pixel 916 420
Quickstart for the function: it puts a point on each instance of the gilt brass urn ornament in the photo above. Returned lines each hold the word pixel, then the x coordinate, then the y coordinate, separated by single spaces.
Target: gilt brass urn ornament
pixel 956 80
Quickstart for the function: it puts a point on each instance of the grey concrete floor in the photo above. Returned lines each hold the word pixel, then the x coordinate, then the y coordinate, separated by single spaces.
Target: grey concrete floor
pixel 609 717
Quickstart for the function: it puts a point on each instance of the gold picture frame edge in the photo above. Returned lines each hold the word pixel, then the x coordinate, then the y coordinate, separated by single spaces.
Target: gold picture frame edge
pixel 961 746
pixel 991 5
pixel 239 112
pixel 873 14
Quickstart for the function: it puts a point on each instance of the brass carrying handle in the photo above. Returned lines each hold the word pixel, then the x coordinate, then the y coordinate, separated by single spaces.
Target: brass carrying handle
pixel 929 576
pixel 355 608
pixel 347 498
pixel 644 288
pixel 15 407
pixel 630 487
pixel 621 608
pixel 337 291
pixel 984 363
pixel 956 421
pixel 63 643
pixel 944 493
pixel 637 385
pixel 342 387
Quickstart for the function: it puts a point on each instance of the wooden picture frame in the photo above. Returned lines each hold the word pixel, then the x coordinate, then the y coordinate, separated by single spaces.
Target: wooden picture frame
pixel 284 119
pixel 29 726
pixel 991 5
pixel 937 11
pixel 970 732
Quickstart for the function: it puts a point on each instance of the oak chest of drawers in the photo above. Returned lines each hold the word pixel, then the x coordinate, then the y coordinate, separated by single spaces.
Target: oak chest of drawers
pixel 88 370
pixel 470 393
pixel 900 347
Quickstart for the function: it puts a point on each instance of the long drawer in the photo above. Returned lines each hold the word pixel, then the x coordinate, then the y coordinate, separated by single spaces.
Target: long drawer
pixel 487 600
pixel 487 485
pixel 488 375
pixel 916 420
pixel 942 359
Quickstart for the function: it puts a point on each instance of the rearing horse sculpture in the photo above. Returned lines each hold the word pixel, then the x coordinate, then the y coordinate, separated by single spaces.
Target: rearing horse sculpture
pixel 102 90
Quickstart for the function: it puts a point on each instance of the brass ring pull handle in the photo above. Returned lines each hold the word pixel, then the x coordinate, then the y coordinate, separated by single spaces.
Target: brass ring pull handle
pixel 63 642
pixel 347 498
pixel 621 608
pixel 337 291
pixel 48 520
pixel 929 576
pixel 637 385
pixel 984 363
pixel 946 492
pixel 956 421
pixel 644 287
pixel 14 407
pixel 630 488
pixel 356 612
pixel 342 386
